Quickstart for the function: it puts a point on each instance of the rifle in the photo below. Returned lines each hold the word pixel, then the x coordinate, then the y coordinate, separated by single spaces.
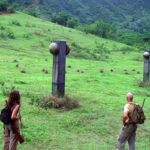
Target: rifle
pixel 20 137
pixel 143 103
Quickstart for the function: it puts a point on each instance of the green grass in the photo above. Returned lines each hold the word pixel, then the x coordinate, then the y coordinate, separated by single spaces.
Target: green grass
pixel 96 124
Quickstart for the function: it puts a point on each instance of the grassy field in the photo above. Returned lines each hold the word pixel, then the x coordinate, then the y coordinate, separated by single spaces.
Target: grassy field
pixel 101 92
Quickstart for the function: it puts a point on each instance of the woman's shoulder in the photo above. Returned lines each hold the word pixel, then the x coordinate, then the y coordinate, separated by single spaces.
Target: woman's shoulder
pixel 16 106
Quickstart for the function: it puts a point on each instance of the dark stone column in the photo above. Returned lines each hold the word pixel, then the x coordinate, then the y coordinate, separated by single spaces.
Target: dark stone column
pixel 146 75
pixel 59 51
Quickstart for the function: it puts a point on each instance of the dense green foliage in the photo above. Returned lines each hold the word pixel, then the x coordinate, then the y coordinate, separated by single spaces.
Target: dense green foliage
pixel 96 49
pixel 3 5
pixel 100 85
pixel 64 19
pixel 101 29
pixel 141 41
pixel 105 30
pixel 124 21
pixel 133 15
pixel 6 7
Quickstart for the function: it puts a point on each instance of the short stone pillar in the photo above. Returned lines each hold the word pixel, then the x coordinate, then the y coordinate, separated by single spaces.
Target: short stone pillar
pixel 146 75
pixel 59 49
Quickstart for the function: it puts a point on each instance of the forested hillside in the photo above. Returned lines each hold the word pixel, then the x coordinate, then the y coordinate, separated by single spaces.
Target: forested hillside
pixel 99 72
pixel 134 15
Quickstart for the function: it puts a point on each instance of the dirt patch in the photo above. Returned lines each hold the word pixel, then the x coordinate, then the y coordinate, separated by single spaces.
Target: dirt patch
pixel 6 12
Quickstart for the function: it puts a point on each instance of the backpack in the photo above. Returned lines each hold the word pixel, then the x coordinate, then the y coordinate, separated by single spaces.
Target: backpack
pixel 5 115
pixel 137 115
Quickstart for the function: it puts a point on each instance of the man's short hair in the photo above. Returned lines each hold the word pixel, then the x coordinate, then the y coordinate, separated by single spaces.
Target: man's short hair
pixel 129 96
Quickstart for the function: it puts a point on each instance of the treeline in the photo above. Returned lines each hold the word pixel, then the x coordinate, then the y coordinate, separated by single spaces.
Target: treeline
pixel 64 19
pixel 6 7
pixel 105 30
pixel 99 28
pixel 130 14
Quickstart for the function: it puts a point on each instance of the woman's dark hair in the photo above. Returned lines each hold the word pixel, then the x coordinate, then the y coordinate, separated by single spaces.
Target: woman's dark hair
pixel 14 98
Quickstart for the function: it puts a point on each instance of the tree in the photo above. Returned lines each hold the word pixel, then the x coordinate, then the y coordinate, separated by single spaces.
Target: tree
pixel 101 29
pixel 3 5
pixel 72 23
pixel 62 18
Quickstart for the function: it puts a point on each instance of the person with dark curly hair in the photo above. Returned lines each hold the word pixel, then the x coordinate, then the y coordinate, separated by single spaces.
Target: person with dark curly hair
pixel 10 136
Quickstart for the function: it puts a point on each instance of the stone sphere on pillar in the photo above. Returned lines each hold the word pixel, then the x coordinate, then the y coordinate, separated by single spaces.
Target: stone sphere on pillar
pixel 54 48
pixel 146 54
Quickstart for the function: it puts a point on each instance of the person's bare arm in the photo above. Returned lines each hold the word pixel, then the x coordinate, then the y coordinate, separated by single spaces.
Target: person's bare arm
pixel 125 117
pixel 14 115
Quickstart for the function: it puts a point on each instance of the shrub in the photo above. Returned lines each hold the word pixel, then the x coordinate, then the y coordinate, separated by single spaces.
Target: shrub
pixel 7 34
pixel 17 66
pixel 66 103
pixel 15 22
pixel 72 23
pixel 27 36
pixel 101 70
pixel 101 49
pixel 101 29
pixel 2 27
pixel 10 35
pixel 45 71
pixel 62 18
pixel 23 71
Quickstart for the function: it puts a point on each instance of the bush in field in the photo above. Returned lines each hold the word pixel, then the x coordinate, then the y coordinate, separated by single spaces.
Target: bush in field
pixel 101 49
pixel 61 18
pixel 72 23
pixel 66 103
pixel 27 36
pixel 64 19
pixel 15 22
pixel 2 27
pixel 45 71
pixel 101 29
pixel 6 33
pixel 10 35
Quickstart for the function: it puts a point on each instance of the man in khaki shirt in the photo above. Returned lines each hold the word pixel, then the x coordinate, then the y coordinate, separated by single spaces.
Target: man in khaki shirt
pixel 128 132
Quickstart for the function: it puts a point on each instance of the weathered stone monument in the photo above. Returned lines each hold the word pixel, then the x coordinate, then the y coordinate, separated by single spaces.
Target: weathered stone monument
pixel 59 49
pixel 146 75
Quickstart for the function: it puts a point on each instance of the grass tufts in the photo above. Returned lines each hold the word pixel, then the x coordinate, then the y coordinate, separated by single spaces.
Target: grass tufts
pixel 15 22
pixel 6 89
pixel 46 102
